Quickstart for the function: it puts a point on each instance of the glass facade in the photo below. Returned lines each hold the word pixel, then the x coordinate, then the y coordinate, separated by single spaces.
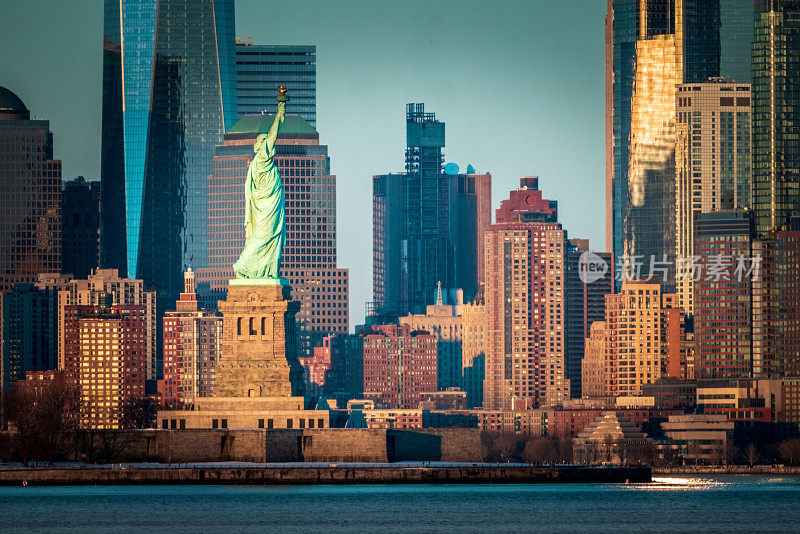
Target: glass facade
pixel 169 93
pixel 260 67
pixel 427 224
pixel 655 44
pixel 776 99
pixel 735 39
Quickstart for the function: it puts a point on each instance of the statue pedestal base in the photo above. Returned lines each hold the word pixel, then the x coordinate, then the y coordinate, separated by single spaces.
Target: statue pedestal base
pixel 258 357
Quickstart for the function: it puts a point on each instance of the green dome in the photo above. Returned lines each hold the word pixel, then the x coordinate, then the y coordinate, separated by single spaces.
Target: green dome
pixel 10 102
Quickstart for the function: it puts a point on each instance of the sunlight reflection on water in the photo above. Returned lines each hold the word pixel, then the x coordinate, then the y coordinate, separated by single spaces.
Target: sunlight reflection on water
pixel 679 484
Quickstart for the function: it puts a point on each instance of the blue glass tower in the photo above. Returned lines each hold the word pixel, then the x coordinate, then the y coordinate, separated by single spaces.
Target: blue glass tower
pixel 169 94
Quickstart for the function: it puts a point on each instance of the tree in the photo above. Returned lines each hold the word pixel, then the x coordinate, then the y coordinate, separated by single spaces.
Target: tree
pixel 538 450
pixel 790 451
pixel 42 413
pixel 139 412
pixel 731 452
pixel 752 454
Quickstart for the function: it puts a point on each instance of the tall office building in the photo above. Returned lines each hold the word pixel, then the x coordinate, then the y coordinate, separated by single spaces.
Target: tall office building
pixel 723 303
pixel 651 46
pixel 124 292
pixel 259 68
pixel 712 163
pixel 30 189
pixel 525 304
pixel 309 257
pixel 584 304
pixel 29 327
pixel 80 227
pixel 169 93
pixel 191 348
pixel 427 223
pixel 776 146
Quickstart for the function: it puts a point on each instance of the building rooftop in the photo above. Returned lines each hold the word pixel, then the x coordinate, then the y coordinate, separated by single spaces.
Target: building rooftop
pixel 10 102
pixel 292 124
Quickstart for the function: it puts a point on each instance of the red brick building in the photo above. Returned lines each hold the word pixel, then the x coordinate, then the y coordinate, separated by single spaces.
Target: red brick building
pixel 525 303
pixel 399 365
pixel 191 348
pixel 105 358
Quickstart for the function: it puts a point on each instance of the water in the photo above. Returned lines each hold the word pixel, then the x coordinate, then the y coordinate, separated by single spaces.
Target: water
pixel 698 504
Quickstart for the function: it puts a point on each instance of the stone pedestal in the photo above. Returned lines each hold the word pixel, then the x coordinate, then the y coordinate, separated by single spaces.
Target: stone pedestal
pixel 258 357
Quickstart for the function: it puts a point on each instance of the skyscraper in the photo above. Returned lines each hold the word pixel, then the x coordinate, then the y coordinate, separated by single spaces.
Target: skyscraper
pixel 169 93
pixel 259 68
pixel 309 257
pixel 723 303
pixel 584 304
pixel 651 46
pixel 29 328
pixel 776 146
pixel 30 189
pixel 427 222
pixel 712 163
pixel 524 291
pixel 80 227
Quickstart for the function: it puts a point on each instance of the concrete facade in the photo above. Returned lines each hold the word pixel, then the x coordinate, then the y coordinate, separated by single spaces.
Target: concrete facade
pixel 263 445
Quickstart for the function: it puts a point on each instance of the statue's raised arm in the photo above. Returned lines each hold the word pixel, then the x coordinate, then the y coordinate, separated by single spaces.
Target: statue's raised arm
pixel 265 231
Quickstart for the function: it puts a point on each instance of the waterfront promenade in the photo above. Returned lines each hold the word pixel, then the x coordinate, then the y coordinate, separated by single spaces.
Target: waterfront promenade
pixel 301 474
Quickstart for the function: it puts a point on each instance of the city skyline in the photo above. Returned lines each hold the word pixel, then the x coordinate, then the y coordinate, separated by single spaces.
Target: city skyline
pixel 495 94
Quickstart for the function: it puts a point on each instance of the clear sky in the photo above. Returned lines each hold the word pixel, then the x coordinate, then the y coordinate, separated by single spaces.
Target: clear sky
pixel 518 83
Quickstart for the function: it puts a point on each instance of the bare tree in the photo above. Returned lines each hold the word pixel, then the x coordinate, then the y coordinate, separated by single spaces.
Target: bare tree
pixel 42 414
pixel 139 412
pixel 752 454
pixel 539 450
pixel 790 451
pixel 731 452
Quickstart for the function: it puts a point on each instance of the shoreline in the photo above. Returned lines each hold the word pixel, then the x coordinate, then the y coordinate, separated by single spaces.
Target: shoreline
pixel 298 475
pixel 727 470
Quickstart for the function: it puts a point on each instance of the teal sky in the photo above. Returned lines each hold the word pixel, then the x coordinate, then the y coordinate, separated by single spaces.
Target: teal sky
pixel 518 83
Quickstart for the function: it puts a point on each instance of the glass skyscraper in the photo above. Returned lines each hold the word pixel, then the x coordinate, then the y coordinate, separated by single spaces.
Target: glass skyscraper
pixel 651 46
pixel 259 68
pixel 169 94
pixel 776 119
pixel 427 224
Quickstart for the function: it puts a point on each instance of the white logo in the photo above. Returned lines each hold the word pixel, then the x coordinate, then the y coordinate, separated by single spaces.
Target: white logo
pixel 591 267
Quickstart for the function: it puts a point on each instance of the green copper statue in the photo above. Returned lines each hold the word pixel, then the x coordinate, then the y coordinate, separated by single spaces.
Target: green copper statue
pixel 264 212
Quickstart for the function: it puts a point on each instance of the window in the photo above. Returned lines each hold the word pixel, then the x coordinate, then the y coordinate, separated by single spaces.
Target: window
pixel 239 326
pixel 320 423
pixel 164 424
pixel 260 423
pixel 263 326
pixel 302 423
pixel 289 423
pixel 224 423
pixel 183 424
pixel 173 423
pixel 215 423
pixel 269 423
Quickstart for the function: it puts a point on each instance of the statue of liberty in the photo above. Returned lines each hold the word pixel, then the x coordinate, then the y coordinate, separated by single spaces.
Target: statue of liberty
pixel 264 211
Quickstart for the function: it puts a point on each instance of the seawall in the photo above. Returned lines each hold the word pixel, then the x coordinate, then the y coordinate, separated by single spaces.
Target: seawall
pixel 301 475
